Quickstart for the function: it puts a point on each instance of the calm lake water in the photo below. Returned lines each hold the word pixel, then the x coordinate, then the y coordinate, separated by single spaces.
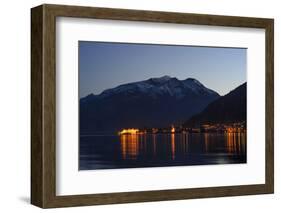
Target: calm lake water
pixel 155 150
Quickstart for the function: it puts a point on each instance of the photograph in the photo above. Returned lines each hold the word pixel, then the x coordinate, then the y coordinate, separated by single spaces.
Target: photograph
pixel 159 105
pixel 136 105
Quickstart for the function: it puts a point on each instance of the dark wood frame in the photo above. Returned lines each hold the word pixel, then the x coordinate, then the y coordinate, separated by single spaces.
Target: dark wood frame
pixel 43 105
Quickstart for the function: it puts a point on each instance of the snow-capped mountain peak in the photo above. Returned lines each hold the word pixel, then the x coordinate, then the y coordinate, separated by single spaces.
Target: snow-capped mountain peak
pixel 197 86
pixel 162 79
pixel 161 86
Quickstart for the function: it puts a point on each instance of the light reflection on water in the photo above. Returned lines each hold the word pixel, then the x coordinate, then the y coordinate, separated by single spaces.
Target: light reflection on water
pixel 148 150
pixel 134 145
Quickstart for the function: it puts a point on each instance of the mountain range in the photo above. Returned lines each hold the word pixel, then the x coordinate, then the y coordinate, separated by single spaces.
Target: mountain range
pixel 156 102
pixel 229 108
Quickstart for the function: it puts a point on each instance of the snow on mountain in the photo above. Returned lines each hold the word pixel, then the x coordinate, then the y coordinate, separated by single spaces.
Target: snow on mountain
pixel 196 86
pixel 165 85
pixel 156 102
pixel 160 80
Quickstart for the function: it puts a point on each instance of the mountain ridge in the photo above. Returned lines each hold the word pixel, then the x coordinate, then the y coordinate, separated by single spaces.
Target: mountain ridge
pixel 155 102
pixel 229 108
pixel 149 83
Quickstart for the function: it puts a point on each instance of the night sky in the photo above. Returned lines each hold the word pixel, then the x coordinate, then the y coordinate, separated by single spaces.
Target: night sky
pixel 104 65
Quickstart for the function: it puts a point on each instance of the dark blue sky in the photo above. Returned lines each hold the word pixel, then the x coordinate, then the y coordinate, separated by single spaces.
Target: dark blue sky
pixel 105 65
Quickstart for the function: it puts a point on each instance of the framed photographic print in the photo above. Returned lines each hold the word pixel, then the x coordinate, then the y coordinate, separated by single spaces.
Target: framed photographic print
pixel 136 106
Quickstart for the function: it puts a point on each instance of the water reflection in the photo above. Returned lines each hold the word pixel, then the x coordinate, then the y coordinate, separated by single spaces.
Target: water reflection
pixel 173 146
pixel 236 143
pixel 206 141
pixel 130 146
pixel 148 150
pixel 177 145
pixel 154 144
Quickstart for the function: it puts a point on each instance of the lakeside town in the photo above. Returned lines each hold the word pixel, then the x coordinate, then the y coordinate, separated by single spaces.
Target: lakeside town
pixel 238 127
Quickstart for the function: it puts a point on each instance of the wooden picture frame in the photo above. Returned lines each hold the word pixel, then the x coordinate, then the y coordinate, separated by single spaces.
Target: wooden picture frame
pixel 43 105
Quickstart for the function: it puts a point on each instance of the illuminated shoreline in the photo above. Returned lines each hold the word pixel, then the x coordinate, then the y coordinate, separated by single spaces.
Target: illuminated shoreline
pixel 239 127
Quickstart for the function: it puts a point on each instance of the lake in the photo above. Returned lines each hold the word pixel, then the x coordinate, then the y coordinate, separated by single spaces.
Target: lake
pixel 158 150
